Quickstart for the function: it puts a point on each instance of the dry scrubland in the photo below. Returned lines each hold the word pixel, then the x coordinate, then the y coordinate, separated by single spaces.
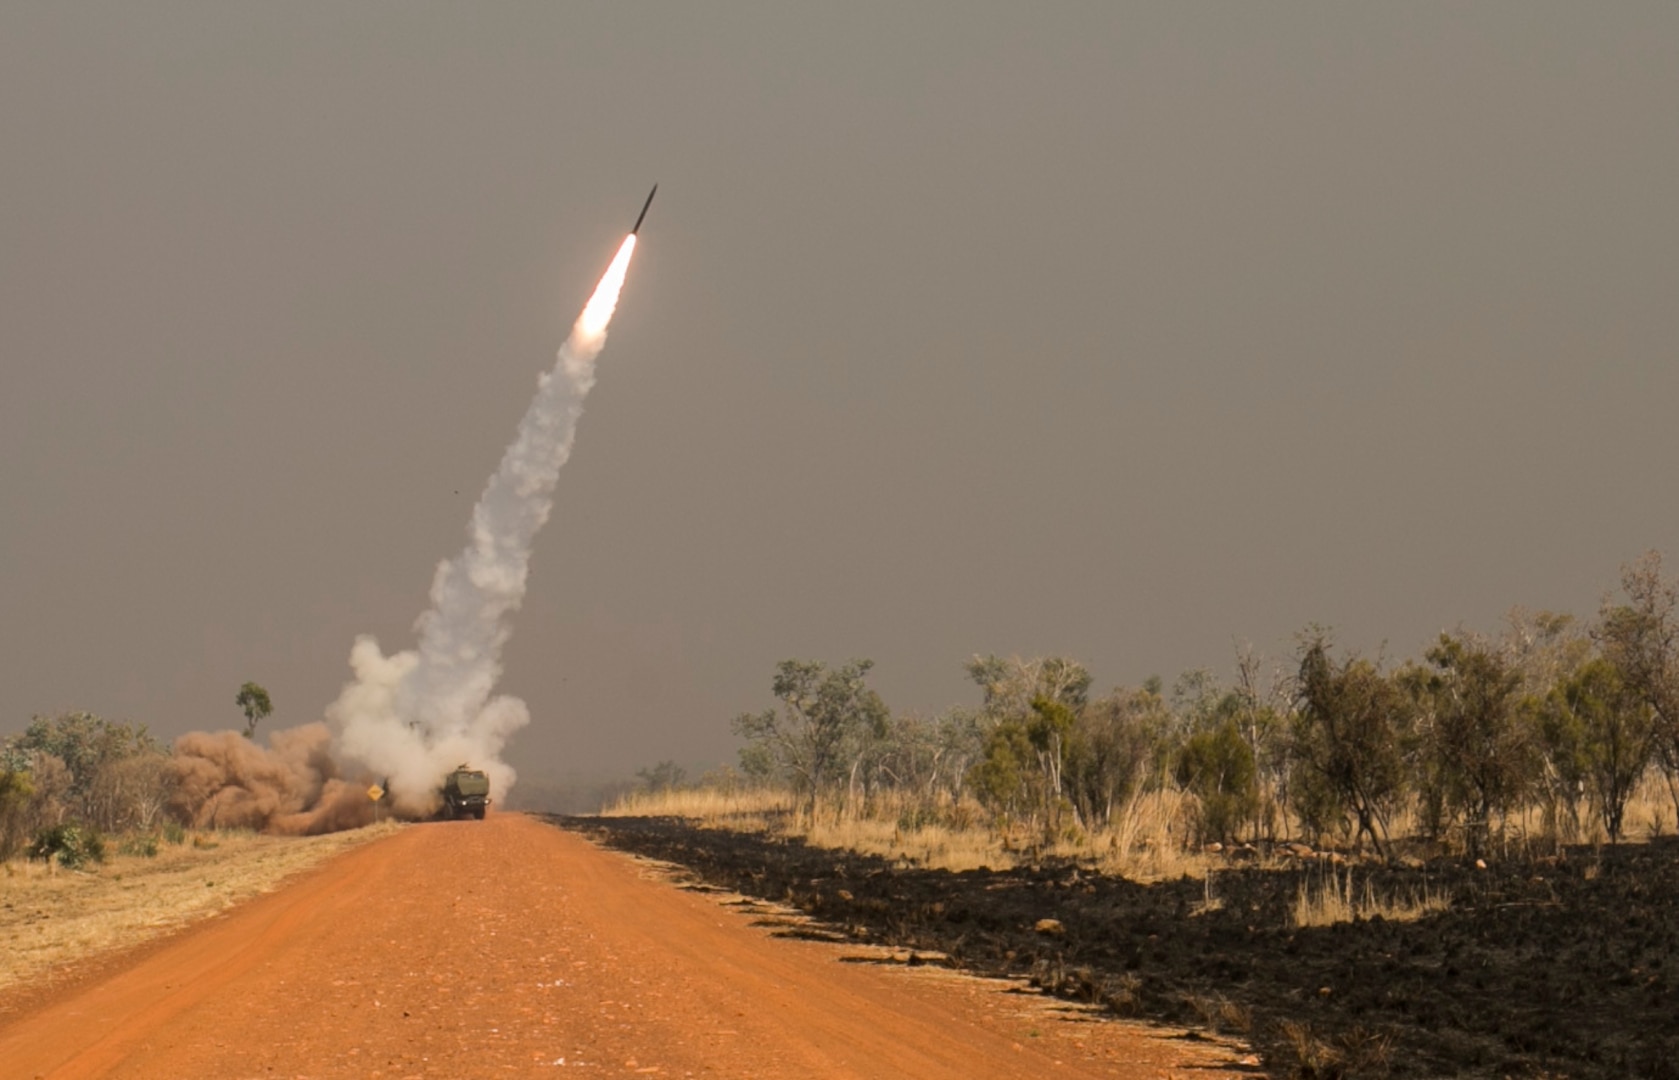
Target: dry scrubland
pixel 1555 733
pixel 1462 863
pixel 1147 842
pixel 1140 844
pixel 108 838
pixel 51 915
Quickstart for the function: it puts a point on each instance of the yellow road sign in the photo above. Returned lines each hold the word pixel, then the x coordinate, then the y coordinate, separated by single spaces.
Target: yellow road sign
pixel 376 793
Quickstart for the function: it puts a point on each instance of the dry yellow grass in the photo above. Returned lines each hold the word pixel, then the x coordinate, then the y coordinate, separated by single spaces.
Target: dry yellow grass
pixel 1146 841
pixel 1145 844
pixel 1335 898
pixel 1648 815
pixel 50 916
pixel 749 809
pixel 937 846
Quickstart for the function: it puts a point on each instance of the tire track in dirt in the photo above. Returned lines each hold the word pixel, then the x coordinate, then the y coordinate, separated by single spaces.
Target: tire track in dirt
pixel 509 947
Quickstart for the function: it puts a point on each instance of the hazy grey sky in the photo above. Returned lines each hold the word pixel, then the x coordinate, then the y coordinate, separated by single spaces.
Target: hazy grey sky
pixel 1109 330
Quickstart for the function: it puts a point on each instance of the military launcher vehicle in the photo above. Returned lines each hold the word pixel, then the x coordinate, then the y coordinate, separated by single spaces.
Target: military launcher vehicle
pixel 466 793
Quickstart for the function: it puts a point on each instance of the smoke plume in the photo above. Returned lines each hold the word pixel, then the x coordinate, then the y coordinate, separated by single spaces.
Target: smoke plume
pixel 414 715
pixel 411 717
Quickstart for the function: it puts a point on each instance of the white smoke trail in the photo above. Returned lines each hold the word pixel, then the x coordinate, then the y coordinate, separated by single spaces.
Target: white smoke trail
pixel 417 714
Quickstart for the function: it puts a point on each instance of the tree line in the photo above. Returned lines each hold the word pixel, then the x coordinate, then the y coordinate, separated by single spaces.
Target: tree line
pixel 68 779
pixel 1554 718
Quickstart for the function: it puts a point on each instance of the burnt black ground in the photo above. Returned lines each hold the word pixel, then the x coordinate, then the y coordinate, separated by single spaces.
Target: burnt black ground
pixel 1537 970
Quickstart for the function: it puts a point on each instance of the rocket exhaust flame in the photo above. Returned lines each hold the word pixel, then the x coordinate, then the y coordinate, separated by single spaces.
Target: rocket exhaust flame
pixel 597 313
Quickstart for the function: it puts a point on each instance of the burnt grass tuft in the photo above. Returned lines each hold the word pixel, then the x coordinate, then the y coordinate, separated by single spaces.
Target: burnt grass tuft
pixel 1538 969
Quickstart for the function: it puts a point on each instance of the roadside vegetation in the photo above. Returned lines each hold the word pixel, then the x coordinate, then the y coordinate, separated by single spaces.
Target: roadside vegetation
pixel 52 914
pixel 70 781
pixel 96 848
pixel 75 784
pixel 1556 731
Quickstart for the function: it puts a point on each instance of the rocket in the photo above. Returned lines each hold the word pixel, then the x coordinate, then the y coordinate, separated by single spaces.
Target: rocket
pixel 644 207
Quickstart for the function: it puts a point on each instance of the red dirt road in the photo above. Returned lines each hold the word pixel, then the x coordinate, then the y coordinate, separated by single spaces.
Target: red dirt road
pixel 512 948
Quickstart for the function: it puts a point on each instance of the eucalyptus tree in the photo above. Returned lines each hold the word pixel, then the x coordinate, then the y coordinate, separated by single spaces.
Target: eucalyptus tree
pixel 1030 708
pixel 254 702
pixel 1010 686
pixel 1111 751
pixel 1547 649
pixel 1641 638
pixel 825 723
pixel 1217 765
pixel 1478 759
pixel 81 767
pixel 1603 736
pixel 1349 723
pixel 1263 696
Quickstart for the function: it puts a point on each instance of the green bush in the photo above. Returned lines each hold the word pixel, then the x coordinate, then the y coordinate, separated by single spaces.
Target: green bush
pixel 175 832
pixel 73 845
pixel 1218 767
pixel 17 793
pixel 142 844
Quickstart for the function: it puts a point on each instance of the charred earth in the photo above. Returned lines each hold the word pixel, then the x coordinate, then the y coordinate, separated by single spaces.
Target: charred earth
pixel 1568 967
